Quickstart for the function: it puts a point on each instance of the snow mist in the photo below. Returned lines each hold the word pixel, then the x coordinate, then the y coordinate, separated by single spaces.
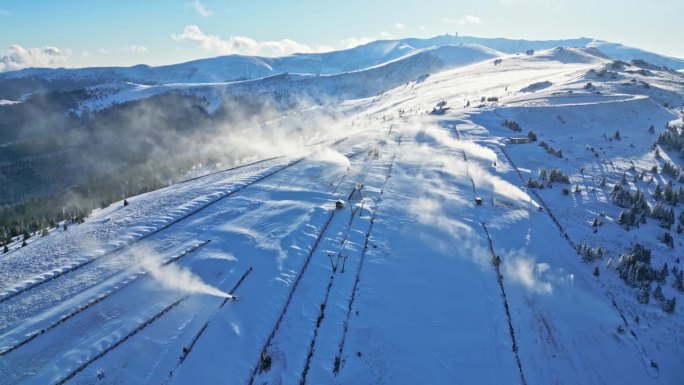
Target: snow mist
pixel 175 277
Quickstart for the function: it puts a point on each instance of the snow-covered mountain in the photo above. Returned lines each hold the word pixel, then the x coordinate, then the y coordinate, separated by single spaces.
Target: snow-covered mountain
pixel 16 84
pixel 446 214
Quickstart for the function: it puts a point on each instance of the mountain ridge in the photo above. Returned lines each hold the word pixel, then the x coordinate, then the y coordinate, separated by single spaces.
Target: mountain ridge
pixel 17 84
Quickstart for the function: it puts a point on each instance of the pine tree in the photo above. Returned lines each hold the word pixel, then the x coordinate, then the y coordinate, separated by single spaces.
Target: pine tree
pixel 5 249
pixel 644 294
pixel 669 305
pixel 658 293
pixel 596 272
pixel 542 174
pixel 679 282
pixel 664 272
pixel 617 135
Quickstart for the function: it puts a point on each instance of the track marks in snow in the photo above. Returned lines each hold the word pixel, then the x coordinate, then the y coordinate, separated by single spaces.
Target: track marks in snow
pixel 32 335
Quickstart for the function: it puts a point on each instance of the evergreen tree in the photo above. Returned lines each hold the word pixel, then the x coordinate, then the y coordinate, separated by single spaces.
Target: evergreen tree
pixel 658 293
pixel 644 294
pixel 542 174
pixel 679 282
pixel 664 272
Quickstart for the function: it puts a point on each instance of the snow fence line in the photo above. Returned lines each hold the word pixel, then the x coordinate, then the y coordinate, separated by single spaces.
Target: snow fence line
pixel 43 278
pixel 125 338
pixel 340 347
pixel 187 349
pixel 33 335
pixel 565 235
pixel 499 278
pixel 324 304
pixel 256 367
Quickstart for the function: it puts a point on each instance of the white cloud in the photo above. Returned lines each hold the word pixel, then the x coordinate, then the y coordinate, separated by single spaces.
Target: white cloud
pixel 134 48
pixel 385 35
pixel 200 8
pixel 243 44
pixel 18 57
pixel 355 41
pixel 467 19
pixel 399 25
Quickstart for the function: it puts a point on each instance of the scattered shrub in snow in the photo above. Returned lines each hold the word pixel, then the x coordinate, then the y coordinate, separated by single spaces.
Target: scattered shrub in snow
pixel 542 174
pixel 588 253
pixel 265 362
pixel 532 183
pixel 557 175
pixel 512 124
pixel 671 169
pixel 658 293
pixel 532 136
pixel 667 239
pixel 635 203
pixel 551 150
pixel 672 139
pixel 634 267
pixel 679 281
pixel 664 214
pixel 627 219
pixel 644 294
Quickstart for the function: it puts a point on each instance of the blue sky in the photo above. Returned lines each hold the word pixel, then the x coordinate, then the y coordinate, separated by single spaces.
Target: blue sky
pixel 126 32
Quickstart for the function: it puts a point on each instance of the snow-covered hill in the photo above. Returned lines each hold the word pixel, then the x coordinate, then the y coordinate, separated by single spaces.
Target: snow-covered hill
pixel 425 238
pixel 17 84
pixel 370 81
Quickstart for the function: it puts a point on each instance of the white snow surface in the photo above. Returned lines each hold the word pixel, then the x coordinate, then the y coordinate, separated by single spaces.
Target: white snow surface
pixel 396 287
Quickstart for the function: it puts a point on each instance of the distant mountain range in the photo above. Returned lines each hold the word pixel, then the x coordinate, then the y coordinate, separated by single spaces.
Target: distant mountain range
pixel 18 85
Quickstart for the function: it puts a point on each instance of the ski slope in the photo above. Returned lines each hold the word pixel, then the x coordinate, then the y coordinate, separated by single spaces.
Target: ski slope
pixel 253 276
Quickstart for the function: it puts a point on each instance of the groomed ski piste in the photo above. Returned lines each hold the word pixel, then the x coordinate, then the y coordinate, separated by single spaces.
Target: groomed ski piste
pixel 254 275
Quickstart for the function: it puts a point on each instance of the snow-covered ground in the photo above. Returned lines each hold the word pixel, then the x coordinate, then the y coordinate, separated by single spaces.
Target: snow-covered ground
pixel 253 276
